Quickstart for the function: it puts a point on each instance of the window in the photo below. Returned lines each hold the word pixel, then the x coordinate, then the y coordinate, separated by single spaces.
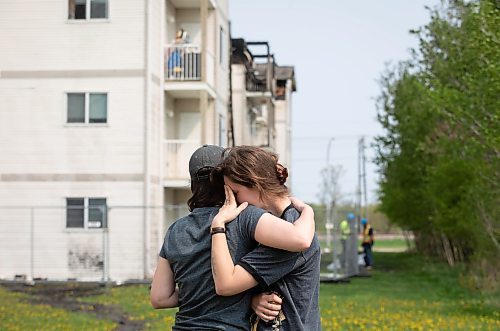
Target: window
pixel 87 108
pixel 86 213
pixel 75 210
pixel 87 9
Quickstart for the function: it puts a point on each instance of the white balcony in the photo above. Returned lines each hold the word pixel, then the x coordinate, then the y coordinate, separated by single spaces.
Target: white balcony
pixel 176 160
pixel 183 77
pixel 182 62
pixel 212 4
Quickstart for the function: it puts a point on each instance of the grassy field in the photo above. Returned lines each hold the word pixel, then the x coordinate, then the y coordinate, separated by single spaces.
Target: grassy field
pixel 396 244
pixel 404 292
pixel 392 243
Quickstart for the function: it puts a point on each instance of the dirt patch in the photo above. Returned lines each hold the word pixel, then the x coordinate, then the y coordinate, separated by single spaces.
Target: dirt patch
pixel 65 296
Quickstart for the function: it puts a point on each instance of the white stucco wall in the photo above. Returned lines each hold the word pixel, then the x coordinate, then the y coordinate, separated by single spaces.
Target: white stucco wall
pixel 37 35
pixel 61 253
pixel 35 138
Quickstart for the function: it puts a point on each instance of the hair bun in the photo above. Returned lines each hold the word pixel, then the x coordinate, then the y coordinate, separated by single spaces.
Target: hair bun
pixel 282 173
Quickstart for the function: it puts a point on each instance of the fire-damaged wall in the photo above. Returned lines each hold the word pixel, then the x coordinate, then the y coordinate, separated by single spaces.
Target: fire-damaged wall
pixel 86 256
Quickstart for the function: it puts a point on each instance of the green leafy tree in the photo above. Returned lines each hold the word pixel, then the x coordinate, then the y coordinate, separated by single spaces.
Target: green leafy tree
pixel 439 155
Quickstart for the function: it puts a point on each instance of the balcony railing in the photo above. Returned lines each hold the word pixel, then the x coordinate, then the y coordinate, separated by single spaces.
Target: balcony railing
pixel 182 62
pixel 255 84
pixel 177 153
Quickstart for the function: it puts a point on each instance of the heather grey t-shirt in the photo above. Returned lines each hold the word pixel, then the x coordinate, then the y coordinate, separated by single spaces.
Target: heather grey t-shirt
pixel 187 247
pixel 293 275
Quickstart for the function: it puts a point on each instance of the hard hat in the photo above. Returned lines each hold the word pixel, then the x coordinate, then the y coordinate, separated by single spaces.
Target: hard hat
pixel 350 216
pixel 364 221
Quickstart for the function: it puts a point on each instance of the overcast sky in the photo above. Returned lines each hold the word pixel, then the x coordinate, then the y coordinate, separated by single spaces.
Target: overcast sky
pixel 339 50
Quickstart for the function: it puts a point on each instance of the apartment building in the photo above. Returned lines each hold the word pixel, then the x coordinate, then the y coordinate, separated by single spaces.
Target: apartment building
pixel 285 85
pixel 261 99
pixel 101 104
pixel 196 89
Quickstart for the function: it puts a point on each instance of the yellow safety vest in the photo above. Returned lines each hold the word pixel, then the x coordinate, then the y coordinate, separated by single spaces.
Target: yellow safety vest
pixel 366 237
pixel 345 230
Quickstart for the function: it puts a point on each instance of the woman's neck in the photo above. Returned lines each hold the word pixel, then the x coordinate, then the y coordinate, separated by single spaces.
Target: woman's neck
pixel 278 206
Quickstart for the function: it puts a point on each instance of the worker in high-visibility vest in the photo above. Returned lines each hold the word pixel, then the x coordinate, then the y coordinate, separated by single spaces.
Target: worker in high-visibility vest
pixel 368 241
pixel 345 233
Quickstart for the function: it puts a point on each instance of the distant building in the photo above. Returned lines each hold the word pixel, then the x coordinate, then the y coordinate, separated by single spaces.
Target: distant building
pixel 284 88
pixel 261 99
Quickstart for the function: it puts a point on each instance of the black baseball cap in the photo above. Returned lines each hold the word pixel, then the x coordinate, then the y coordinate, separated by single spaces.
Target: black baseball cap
pixel 205 157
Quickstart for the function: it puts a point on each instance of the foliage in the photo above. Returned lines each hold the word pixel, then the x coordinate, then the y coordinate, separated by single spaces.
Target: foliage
pixel 439 155
pixel 330 190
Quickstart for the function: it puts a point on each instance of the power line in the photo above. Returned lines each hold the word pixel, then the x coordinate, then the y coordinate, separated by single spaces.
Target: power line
pixel 358 136
pixel 317 159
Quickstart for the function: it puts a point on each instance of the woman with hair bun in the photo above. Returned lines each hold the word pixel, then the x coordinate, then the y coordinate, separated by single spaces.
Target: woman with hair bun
pixel 253 175
pixel 183 275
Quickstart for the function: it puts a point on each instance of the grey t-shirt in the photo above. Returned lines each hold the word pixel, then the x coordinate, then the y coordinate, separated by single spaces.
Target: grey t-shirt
pixel 187 247
pixel 293 275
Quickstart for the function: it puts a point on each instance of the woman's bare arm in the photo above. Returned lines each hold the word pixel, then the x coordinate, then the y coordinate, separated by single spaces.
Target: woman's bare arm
pixel 278 233
pixel 230 279
pixel 163 292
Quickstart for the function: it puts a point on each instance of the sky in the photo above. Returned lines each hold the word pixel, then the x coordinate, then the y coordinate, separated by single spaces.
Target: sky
pixel 339 50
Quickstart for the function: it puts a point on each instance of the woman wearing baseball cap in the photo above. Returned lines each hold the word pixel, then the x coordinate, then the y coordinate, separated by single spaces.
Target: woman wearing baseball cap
pixel 185 258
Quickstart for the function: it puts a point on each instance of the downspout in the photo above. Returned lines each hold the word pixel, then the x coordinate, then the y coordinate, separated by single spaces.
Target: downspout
pixel 289 123
pixel 145 229
pixel 230 100
pixel 203 94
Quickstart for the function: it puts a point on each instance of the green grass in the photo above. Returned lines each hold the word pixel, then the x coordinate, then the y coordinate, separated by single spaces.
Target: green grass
pixel 398 244
pixel 134 300
pixel 391 243
pixel 405 292
pixel 16 313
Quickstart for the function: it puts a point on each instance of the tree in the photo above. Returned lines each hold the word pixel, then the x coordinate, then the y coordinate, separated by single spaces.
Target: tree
pixel 439 157
pixel 330 190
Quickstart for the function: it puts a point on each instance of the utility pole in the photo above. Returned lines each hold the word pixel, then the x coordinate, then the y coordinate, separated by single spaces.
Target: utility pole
pixel 352 267
pixel 328 219
pixel 358 191
pixel 365 193
pixel 361 192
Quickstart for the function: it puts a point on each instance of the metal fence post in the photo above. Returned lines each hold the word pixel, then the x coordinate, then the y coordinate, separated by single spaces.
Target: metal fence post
pixel 32 243
pixel 105 243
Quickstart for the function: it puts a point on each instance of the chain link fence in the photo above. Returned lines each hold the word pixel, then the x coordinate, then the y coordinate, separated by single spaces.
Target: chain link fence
pixel 340 257
pixel 92 241
pixel 83 242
